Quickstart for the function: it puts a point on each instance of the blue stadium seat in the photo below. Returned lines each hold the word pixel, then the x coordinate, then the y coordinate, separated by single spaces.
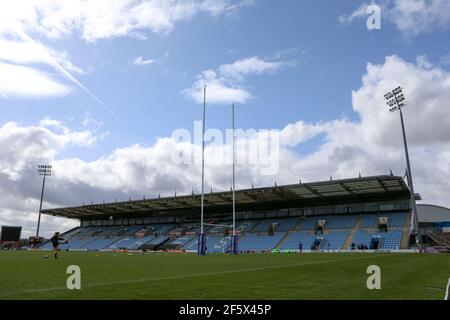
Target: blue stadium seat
pixel 308 223
pixel 253 234
pixel 388 240
pixel 394 219
pixel 335 240
pixel 293 240
pixel 254 242
pixel 339 222
pixel 133 243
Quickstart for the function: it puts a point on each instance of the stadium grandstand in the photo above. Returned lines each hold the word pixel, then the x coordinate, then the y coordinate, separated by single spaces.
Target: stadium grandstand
pixel 359 213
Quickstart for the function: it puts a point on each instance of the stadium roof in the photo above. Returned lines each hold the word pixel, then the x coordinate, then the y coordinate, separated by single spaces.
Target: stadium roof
pixel 429 213
pixel 332 192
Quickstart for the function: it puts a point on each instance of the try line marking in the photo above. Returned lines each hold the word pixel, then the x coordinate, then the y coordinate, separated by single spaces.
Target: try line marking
pixel 186 276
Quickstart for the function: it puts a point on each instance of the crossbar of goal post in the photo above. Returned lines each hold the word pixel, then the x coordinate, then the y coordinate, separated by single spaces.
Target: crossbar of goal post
pixel 218 225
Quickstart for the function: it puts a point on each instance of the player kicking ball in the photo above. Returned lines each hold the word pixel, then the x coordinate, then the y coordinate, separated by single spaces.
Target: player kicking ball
pixel 55 242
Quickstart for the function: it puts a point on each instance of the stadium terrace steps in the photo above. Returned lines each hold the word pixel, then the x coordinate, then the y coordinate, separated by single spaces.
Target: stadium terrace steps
pixel 298 222
pixel 404 242
pixel 307 239
pixel 191 243
pixel 285 237
pixel 351 235
pixel 176 243
pixel 70 233
pixel 439 239
pixel 297 225
pixel 132 243
pixel 333 240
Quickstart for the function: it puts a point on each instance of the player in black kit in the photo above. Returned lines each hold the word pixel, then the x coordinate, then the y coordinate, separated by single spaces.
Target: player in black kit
pixel 55 242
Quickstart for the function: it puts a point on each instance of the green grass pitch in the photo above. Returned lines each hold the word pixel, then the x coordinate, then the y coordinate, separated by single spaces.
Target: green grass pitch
pixel 27 275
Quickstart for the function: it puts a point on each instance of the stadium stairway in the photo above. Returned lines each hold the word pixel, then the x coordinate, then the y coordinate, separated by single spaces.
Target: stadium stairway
pixel 283 239
pixel 439 239
pixel 72 232
pixel 351 235
pixel 296 226
pixel 404 242
pixel 190 244
pixel 333 240
pixel 288 233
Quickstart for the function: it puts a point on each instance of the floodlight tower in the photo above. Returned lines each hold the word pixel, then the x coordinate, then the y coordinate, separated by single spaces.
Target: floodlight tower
pixel 396 101
pixel 43 170
pixel 201 242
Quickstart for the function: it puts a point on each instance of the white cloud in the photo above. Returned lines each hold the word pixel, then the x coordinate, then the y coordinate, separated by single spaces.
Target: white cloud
pixel 57 19
pixel 371 145
pixel 359 12
pixel 249 66
pixel 225 85
pixel 48 122
pixel 410 17
pixel 27 82
pixel 446 59
pixel 421 16
pixel 140 61
pixel 423 62
pixel 54 19
pixel 21 144
pixel 22 149
pixel 23 63
pixel 23 51
pixel 218 7
pixel 219 90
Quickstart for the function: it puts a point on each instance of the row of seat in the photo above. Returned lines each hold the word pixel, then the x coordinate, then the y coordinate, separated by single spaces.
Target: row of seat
pixel 253 234
pixel 387 240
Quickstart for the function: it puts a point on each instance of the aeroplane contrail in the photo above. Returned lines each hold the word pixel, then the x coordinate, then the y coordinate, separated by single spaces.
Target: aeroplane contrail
pixel 56 65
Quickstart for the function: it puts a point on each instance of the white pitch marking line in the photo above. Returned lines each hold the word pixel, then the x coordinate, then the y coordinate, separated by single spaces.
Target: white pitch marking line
pixel 186 276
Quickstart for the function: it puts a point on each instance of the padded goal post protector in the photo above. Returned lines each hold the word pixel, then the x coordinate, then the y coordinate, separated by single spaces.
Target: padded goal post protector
pixel 201 244
pixel 234 244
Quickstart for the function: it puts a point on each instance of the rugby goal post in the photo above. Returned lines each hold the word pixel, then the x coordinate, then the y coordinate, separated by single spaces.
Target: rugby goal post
pixel 447 291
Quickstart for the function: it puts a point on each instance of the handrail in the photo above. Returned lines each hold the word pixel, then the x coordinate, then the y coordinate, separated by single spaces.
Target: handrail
pixel 438 238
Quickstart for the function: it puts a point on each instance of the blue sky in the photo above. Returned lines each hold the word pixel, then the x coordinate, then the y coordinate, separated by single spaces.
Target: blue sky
pixel 296 66
pixel 330 59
